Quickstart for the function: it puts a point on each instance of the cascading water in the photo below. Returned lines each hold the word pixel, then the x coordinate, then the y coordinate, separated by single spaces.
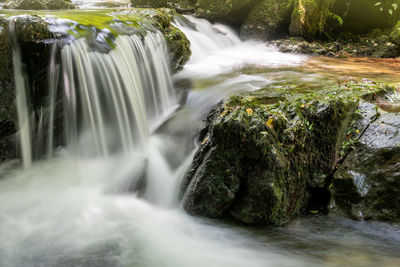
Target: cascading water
pixel 74 209
pixel 21 101
pixel 113 100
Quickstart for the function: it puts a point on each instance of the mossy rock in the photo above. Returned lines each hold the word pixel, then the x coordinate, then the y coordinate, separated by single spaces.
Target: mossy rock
pixel 233 12
pixel 264 155
pixel 39 4
pixel 267 20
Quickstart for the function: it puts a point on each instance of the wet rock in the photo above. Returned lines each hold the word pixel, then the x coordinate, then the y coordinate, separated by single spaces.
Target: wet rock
pixel 39 4
pixel 367 184
pixel 346 46
pixel 269 19
pixel 264 157
pixel 177 42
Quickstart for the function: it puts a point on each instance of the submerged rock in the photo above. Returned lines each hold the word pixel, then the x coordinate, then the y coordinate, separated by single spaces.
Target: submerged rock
pixel 39 4
pixel 269 19
pixel 264 156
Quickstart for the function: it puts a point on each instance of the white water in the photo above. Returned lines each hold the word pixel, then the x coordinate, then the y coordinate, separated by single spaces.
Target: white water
pixel 114 100
pixel 218 50
pixel 80 209
pixel 24 124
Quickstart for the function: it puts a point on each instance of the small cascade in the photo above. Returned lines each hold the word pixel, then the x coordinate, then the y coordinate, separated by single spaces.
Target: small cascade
pixel 217 49
pixel 206 38
pixel 24 124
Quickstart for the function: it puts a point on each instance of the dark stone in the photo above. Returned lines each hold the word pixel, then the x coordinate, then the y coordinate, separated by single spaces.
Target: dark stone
pixel 269 19
pixel 262 161
pixel 367 184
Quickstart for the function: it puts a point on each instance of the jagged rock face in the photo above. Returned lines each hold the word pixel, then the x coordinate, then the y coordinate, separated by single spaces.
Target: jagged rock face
pixel 39 4
pixel 264 155
pixel 367 184
pixel 269 19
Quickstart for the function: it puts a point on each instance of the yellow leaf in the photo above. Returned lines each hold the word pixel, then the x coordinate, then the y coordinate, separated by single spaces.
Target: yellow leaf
pixel 204 141
pixel 302 106
pixel 249 111
pixel 269 123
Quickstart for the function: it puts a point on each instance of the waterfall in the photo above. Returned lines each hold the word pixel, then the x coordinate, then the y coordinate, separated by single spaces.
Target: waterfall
pixel 24 125
pixel 112 100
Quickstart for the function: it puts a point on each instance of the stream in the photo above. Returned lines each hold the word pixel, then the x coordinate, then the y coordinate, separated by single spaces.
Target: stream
pixel 86 205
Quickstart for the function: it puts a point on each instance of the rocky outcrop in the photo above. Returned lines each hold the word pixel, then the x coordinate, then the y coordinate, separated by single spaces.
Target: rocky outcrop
pixel 265 157
pixel 39 4
pixel 268 20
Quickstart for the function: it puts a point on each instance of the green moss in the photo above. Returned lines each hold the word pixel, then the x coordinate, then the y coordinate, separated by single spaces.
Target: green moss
pixel 395 34
pixel 309 17
pixel 39 4
pixel 278 142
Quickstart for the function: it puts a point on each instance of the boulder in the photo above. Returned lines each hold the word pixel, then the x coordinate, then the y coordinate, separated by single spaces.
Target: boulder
pixel 367 184
pixel 269 19
pixel 39 4
pixel 233 12
pixel 267 156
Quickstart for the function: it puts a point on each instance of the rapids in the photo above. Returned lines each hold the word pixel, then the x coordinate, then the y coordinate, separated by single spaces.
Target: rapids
pixel 110 197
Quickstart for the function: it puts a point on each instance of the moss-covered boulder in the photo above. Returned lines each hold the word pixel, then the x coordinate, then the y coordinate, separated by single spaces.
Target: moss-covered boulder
pixel 266 156
pixel 269 19
pixel 233 12
pixel 177 42
pixel 367 183
pixel 39 4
